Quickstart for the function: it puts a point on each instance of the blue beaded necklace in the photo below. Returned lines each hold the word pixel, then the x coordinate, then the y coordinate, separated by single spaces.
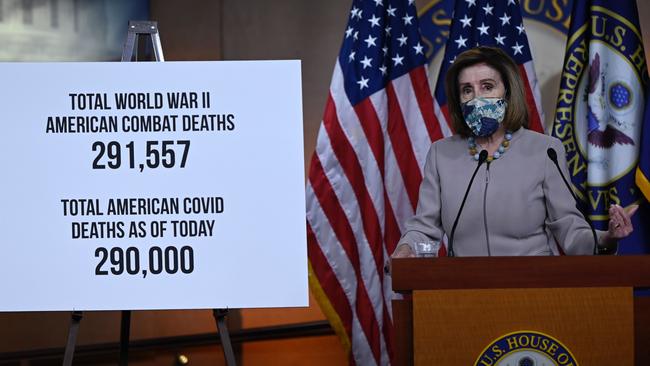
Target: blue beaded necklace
pixel 471 142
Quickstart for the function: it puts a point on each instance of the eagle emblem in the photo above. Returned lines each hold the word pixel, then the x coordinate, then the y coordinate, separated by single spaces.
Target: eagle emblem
pixel 601 129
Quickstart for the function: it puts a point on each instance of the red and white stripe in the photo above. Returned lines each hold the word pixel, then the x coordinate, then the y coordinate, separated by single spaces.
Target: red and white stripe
pixel 533 96
pixel 363 184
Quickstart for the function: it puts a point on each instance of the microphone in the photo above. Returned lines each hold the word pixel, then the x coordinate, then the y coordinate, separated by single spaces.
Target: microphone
pixel 482 157
pixel 552 154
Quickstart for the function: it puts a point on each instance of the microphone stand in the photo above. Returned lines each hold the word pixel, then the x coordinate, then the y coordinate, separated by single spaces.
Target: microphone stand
pixel 552 154
pixel 481 159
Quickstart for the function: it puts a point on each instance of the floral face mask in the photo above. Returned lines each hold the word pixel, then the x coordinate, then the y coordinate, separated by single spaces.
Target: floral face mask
pixel 484 115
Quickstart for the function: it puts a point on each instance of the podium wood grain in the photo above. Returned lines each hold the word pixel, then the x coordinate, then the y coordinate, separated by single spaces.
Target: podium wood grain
pixel 573 273
pixel 453 327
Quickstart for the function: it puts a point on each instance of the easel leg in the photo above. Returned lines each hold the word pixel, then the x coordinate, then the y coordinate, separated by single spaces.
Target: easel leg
pixel 220 317
pixel 125 331
pixel 72 338
pixel 137 28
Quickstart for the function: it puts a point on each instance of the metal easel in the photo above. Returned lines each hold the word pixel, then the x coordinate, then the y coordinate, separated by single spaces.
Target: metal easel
pixel 138 28
pixel 129 52
pixel 72 337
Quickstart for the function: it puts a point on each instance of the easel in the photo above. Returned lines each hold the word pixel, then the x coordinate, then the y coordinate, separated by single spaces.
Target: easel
pixel 130 49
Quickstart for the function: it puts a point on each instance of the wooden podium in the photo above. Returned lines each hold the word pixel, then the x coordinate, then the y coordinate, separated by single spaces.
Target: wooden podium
pixel 454 308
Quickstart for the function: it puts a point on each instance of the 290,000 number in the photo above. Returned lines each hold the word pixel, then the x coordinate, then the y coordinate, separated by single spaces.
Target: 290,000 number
pixel 169 260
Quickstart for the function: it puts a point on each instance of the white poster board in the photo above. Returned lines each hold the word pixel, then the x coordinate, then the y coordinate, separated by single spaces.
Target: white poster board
pixel 175 185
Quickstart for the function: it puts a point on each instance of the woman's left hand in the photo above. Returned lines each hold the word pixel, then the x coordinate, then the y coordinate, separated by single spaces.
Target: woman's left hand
pixel 620 223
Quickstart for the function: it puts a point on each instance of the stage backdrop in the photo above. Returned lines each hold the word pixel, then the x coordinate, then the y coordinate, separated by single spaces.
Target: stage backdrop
pixel 66 30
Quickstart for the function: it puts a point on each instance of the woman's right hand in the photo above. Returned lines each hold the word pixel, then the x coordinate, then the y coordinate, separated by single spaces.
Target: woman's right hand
pixel 403 251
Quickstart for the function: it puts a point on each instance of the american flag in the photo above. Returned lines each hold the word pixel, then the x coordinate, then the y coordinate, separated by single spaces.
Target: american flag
pixel 496 23
pixel 365 173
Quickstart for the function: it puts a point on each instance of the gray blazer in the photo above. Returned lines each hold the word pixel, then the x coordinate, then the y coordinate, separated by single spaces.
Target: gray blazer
pixel 518 204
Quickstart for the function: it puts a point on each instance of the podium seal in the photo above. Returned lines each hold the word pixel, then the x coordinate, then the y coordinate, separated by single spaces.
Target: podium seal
pixel 526 348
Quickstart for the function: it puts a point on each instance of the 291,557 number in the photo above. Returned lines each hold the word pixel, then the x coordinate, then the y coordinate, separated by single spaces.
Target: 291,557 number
pixel 157 154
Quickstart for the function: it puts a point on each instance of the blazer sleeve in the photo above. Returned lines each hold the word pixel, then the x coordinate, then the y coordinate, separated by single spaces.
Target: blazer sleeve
pixel 565 221
pixel 426 224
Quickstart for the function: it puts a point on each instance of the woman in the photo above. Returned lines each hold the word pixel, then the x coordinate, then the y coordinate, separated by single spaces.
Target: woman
pixel 518 203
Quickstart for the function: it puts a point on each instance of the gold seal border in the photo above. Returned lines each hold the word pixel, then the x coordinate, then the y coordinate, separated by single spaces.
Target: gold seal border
pixel 524 331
